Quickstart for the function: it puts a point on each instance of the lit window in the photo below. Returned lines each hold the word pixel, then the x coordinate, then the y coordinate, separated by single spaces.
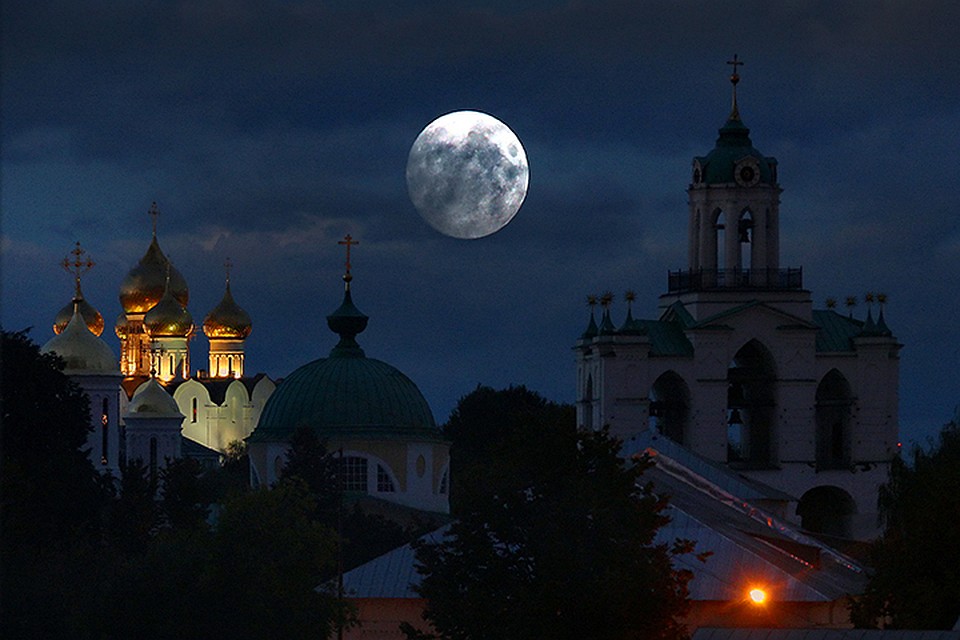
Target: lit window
pixel 384 483
pixel 353 473
pixel 193 410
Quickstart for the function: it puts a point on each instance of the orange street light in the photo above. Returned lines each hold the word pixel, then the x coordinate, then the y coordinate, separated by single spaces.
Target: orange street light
pixel 758 596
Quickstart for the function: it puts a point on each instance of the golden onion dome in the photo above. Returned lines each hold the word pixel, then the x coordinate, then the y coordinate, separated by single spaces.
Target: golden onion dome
pixel 145 284
pixel 168 319
pixel 91 317
pixel 120 326
pixel 227 320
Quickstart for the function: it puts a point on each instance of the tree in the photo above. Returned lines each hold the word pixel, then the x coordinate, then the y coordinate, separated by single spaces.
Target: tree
pixel 555 536
pixel 915 582
pixel 50 494
pixel 185 494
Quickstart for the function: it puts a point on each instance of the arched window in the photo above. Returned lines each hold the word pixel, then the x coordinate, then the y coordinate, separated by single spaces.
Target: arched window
pixel 834 402
pixel 751 411
pixel 827 510
pixel 193 409
pixel 353 473
pixel 670 406
pixel 384 482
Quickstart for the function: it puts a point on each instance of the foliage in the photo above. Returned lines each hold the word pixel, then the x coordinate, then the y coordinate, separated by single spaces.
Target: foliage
pixel 50 494
pixel 916 578
pixel 554 536
pixel 90 556
pixel 364 535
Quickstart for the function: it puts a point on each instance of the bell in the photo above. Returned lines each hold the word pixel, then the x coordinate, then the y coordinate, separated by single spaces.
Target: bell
pixel 735 417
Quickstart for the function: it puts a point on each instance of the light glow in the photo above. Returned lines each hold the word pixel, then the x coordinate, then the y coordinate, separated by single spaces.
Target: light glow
pixel 758 596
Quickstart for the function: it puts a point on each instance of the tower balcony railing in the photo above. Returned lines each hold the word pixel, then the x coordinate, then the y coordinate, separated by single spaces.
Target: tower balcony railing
pixel 712 279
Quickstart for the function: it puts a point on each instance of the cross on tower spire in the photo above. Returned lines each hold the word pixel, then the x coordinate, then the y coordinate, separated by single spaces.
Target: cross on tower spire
pixel 154 213
pixel 227 265
pixel 349 242
pixel 734 79
pixel 78 266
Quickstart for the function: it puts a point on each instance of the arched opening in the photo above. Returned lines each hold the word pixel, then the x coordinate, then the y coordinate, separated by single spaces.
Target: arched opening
pixel 670 406
pixel 751 400
pixel 384 481
pixel 745 243
pixel 833 408
pixel 827 510
pixel 719 241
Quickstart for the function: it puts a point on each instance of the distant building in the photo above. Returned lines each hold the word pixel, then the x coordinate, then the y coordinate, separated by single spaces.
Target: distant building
pixel 366 410
pixel 740 369
pixel 217 407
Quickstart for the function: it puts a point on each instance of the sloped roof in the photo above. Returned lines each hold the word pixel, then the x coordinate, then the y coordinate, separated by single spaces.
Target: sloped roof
pixel 792 320
pixel 747 544
pixel 716 474
pixel 834 331
pixel 666 338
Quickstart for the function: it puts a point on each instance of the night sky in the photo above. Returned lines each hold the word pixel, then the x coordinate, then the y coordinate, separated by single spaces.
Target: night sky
pixel 266 131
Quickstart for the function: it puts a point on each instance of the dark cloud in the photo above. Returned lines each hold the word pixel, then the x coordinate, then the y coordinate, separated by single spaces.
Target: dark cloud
pixel 267 130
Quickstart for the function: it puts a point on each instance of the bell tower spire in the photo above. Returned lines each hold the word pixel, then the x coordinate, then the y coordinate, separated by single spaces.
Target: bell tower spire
pixel 734 224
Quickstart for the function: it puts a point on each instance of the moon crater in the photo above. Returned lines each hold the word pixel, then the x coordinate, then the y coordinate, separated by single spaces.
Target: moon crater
pixel 467 174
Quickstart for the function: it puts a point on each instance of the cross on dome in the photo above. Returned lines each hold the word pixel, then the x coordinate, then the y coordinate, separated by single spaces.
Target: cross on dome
pixel 348 241
pixel 154 213
pixel 734 79
pixel 79 266
pixel 227 265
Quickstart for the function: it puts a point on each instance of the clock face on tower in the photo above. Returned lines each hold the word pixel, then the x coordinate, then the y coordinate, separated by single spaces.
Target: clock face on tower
pixel 747 172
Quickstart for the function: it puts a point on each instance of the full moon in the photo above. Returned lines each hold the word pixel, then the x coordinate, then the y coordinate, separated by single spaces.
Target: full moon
pixel 467 174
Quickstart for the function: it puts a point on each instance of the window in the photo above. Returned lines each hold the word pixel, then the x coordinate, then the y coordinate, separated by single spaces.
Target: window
pixel 104 432
pixel 353 473
pixel 384 483
pixel 193 410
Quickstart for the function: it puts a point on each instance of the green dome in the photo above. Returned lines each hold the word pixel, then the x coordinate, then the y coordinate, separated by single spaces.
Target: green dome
pixel 347 395
pixel 733 150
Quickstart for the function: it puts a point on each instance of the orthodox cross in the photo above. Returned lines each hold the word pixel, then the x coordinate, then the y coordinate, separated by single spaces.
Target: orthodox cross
pixel 734 79
pixel 154 213
pixel 349 242
pixel 227 265
pixel 79 266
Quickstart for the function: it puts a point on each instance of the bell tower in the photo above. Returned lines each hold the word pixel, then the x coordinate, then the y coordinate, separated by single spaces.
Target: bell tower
pixel 734 225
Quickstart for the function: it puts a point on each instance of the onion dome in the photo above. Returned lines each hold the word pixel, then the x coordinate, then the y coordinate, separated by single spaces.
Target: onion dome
pixel 227 320
pixel 347 394
pixel 145 284
pixel 88 313
pixel 120 326
pixel 152 400
pixel 81 350
pixel 168 318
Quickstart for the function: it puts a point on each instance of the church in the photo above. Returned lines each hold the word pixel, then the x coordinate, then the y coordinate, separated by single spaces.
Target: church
pixel 149 404
pixel 739 368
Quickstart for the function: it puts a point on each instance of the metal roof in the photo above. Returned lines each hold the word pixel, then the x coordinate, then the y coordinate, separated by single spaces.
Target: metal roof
pixel 834 331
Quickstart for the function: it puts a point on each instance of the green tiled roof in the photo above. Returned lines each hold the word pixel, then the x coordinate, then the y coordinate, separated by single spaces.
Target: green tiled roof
pixel 666 338
pixel 834 331
pixel 347 395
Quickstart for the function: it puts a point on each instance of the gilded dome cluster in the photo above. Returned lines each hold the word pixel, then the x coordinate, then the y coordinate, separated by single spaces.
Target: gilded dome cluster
pixel 227 320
